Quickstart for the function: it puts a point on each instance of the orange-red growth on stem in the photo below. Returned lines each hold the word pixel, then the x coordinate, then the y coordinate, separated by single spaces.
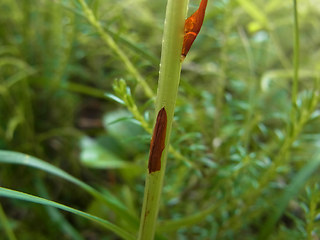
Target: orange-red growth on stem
pixel 158 141
pixel 192 27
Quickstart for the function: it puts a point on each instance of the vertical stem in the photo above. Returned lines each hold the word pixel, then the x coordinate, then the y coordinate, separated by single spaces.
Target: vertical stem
pixel 294 90
pixel 169 78
pixel 295 80
pixel 295 54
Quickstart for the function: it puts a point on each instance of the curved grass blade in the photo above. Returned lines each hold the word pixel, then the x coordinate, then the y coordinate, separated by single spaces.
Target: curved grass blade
pixel 8 193
pixel 24 159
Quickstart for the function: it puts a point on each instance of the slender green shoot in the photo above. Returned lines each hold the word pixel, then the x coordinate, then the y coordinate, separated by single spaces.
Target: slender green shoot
pixel 296 54
pixel 113 45
pixel 169 78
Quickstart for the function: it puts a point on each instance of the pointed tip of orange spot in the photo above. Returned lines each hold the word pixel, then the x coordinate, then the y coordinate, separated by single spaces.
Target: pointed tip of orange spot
pixel 192 27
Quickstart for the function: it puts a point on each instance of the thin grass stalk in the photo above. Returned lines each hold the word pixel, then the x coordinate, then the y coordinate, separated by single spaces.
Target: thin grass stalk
pixel 114 46
pixel 169 78
pixel 296 54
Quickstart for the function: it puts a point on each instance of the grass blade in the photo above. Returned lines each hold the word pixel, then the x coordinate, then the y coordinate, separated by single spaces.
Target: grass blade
pixel 24 159
pixel 8 193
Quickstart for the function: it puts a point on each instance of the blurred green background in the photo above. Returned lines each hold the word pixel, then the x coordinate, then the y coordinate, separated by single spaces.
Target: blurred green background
pixel 72 94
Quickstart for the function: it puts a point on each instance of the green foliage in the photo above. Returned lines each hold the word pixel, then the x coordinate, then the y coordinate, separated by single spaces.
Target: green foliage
pixel 27 197
pixel 77 84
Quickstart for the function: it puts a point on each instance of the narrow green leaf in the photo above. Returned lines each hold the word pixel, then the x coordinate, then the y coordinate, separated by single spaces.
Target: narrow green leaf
pixel 114 98
pixel 8 193
pixel 24 159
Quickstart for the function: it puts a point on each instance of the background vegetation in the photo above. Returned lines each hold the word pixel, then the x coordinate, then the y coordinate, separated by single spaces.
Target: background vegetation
pixel 244 153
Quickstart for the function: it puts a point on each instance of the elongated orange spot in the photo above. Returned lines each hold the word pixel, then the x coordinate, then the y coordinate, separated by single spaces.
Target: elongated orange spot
pixel 192 27
pixel 158 141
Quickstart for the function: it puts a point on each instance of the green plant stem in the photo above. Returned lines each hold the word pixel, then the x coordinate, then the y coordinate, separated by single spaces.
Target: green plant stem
pixel 169 78
pixel 296 54
pixel 136 48
pixel 294 89
pixel 113 45
pixel 296 125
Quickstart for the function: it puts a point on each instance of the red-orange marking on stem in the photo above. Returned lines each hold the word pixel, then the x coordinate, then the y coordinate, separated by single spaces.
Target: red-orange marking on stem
pixel 158 141
pixel 192 27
